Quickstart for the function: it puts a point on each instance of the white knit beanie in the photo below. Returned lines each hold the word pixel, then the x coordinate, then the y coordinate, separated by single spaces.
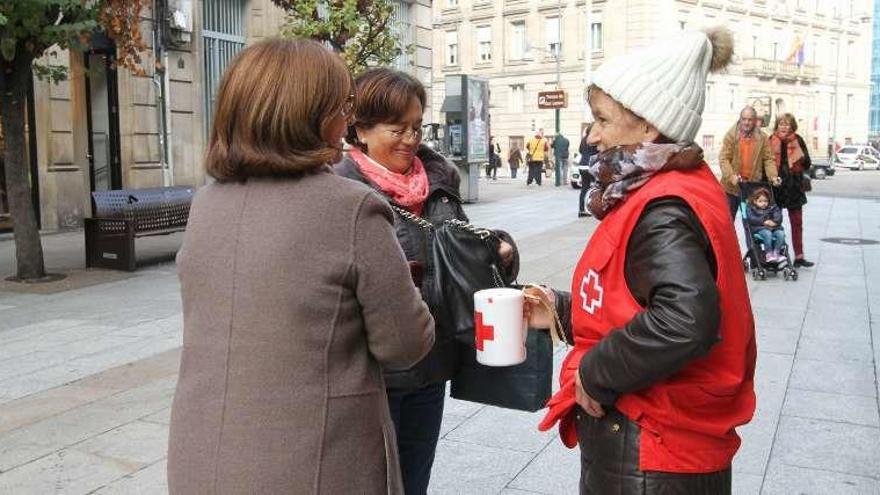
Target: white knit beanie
pixel 665 84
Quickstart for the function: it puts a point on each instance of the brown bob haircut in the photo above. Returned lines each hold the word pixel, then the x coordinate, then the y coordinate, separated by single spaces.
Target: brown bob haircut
pixel 787 117
pixel 273 108
pixel 383 96
pixel 757 193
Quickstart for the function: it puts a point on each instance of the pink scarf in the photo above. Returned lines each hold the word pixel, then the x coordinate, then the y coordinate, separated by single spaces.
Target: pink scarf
pixel 407 190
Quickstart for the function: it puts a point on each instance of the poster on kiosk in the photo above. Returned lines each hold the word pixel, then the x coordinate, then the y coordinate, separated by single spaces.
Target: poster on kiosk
pixel 466 109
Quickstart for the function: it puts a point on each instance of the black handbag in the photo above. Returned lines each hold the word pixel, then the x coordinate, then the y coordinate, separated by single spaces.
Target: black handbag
pixel 806 183
pixel 464 260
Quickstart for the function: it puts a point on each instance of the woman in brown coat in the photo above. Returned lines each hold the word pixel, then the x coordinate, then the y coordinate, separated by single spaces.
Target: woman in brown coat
pixel 295 295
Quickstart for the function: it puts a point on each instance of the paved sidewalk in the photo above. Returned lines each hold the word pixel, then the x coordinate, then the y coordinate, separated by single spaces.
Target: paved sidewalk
pixel 87 375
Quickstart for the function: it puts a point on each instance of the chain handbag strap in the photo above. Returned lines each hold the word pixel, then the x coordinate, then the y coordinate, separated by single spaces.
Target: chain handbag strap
pixel 481 233
pixel 421 222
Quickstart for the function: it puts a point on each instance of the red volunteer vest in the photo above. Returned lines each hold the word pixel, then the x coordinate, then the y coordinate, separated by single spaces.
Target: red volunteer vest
pixel 687 421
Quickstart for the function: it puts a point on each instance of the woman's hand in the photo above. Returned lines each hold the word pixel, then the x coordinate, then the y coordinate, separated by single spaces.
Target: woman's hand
pixel 589 404
pixel 770 223
pixel 776 182
pixel 505 251
pixel 535 313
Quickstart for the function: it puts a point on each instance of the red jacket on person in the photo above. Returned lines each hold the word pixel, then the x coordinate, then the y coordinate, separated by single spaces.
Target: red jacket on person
pixel 687 420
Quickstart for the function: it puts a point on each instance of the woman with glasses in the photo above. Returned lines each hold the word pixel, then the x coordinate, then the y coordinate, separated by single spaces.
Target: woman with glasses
pixel 387 155
pixel 295 295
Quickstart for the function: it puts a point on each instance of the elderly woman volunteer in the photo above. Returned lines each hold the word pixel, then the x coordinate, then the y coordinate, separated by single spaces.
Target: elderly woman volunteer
pixel 388 156
pixel 295 292
pixel 664 353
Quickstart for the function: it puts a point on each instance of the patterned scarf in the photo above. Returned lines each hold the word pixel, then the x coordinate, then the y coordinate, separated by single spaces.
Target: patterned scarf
pixel 793 148
pixel 621 170
pixel 408 190
pixel 746 135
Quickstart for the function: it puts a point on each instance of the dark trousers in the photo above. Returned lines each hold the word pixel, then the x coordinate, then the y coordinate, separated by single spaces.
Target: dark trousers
pixel 417 415
pixel 586 181
pixel 733 203
pixel 513 172
pixel 535 172
pixel 610 462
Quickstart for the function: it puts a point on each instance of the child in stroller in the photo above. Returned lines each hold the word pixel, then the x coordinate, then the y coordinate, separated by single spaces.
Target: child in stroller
pixel 765 236
pixel 765 221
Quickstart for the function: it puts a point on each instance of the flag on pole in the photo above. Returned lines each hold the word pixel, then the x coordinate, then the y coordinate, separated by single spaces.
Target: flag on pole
pixel 797 51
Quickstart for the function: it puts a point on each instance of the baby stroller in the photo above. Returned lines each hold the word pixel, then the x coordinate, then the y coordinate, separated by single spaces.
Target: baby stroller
pixel 755 259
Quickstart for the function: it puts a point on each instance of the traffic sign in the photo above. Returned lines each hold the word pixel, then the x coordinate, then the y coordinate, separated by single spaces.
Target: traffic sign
pixel 548 100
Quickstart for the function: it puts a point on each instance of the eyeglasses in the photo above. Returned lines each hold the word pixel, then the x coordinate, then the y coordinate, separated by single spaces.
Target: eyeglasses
pixel 405 134
pixel 348 108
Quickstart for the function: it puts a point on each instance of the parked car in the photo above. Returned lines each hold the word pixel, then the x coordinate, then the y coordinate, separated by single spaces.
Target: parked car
pixel 857 157
pixel 821 169
pixel 574 176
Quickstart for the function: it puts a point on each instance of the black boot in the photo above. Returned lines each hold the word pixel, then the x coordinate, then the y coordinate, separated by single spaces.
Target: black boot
pixel 803 263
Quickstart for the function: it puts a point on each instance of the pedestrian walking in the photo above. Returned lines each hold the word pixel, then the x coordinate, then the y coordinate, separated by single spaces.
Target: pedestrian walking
pixel 295 295
pixel 494 159
pixel 561 154
pixel 536 154
pixel 587 151
pixel 662 368
pixel 792 162
pixel 745 155
pixel 387 155
pixel 514 160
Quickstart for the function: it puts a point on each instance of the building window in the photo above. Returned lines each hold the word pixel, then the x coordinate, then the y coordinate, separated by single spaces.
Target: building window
pixel 708 141
pixel 554 38
pixel 732 102
pixel 517 97
pixel 451 4
pixel 451 47
pixel 484 44
pixel 402 27
pixel 682 25
pixel 754 46
pixel 834 54
pixel 813 51
pixel 710 97
pixel 849 104
pixel 597 41
pixel 517 40
pixel 775 51
pixel 849 56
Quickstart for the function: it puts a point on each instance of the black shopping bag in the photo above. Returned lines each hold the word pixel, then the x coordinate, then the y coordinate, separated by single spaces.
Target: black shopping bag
pixel 524 387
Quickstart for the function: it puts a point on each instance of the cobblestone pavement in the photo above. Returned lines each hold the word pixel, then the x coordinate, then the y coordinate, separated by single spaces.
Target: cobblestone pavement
pixel 87 374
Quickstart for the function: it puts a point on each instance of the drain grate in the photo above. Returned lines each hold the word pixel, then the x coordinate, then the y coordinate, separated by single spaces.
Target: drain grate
pixel 850 241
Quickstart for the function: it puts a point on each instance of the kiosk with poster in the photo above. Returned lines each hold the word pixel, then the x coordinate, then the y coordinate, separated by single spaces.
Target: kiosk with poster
pixel 466 109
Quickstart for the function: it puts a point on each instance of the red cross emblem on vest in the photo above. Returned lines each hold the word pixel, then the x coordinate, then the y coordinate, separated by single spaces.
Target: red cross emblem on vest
pixel 591 292
pixel 482 331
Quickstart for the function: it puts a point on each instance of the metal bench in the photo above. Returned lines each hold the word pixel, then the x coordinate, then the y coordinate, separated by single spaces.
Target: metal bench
pixel 123 215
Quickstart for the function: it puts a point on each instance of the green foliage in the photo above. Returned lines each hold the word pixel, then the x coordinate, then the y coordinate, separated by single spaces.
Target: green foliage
pixel 29 27
pixel 360 30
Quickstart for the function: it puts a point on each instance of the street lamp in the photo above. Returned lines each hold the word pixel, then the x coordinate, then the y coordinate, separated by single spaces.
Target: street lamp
pixel 555 54
pixel 861 19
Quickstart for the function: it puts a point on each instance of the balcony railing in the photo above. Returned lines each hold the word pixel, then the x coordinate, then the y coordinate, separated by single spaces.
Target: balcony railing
pixel 777 69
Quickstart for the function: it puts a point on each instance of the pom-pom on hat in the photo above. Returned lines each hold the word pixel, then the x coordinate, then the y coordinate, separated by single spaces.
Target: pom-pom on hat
pixel 665 84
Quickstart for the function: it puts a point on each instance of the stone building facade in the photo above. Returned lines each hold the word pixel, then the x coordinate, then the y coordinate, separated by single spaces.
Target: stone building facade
pixel 105 128
pixel 808 57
